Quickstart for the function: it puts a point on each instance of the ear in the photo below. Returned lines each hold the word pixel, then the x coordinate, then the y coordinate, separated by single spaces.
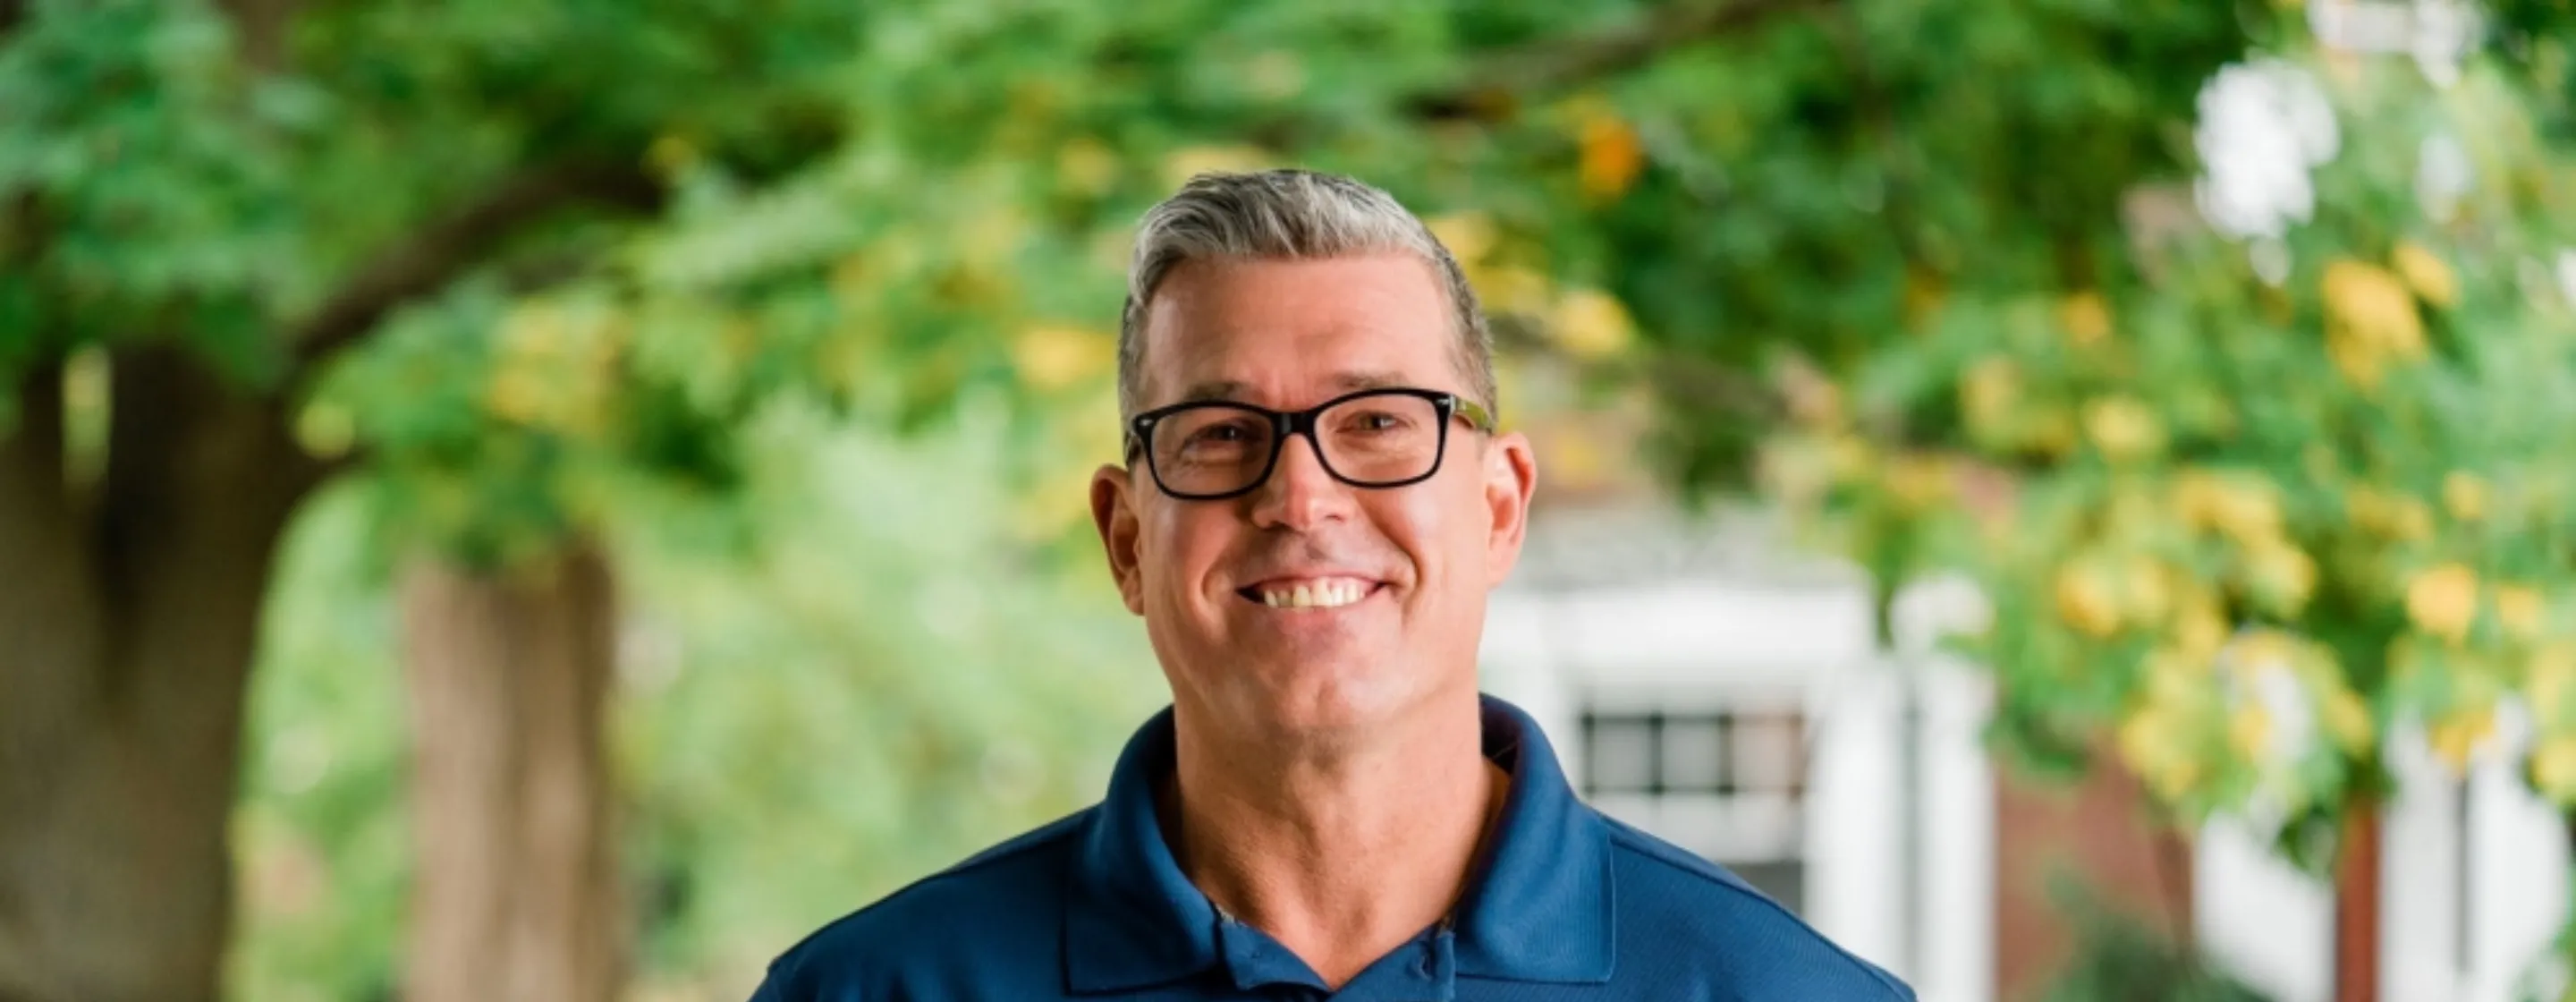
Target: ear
pixel 1113 512
pixel 1511 477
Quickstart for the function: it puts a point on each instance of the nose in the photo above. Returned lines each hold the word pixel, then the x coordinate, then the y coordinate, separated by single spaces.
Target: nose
pixel 1300 494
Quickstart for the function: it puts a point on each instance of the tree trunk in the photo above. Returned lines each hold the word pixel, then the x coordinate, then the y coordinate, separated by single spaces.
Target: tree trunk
pixel 2356 921
pixel 128 619
pixel 516 891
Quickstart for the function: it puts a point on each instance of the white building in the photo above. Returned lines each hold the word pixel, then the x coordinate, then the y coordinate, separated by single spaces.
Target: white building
pixel 1710 685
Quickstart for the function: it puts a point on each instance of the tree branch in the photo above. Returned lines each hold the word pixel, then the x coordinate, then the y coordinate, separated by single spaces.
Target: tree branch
pixel 447 248
pixel 1494 91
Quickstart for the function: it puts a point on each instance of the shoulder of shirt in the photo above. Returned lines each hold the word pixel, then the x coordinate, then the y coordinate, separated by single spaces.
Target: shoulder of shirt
pixel 857 927
pixel 1627 839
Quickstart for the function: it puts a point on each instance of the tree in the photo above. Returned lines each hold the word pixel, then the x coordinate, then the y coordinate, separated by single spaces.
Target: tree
pixel 2274 482
pixel 520 270
pixel 203 208
pixel 253 246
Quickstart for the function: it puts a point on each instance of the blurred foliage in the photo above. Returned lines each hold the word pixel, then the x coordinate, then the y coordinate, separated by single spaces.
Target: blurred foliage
pixel 2247 505
pixel 2118 958
pixel 886 681
pixel 2256 502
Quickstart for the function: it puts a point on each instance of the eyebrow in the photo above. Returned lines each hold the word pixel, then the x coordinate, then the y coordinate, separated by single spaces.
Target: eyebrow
pixel 1236 390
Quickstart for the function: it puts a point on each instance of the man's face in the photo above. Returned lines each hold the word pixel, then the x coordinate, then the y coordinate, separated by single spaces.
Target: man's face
pixel 1289 335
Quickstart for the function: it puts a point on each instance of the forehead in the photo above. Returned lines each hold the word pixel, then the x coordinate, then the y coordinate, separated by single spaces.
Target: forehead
pixel 1277 331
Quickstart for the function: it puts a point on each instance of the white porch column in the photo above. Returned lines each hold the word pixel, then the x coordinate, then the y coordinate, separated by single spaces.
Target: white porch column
pixel 1854 855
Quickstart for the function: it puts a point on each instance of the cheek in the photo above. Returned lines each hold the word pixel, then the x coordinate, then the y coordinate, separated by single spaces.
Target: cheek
pixel 1438 531
pixel 1177 549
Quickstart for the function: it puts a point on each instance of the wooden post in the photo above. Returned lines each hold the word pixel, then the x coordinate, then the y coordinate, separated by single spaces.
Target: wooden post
pixel 2356 940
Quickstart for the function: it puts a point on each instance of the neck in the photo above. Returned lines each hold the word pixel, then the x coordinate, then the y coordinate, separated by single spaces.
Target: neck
pixel 1341 853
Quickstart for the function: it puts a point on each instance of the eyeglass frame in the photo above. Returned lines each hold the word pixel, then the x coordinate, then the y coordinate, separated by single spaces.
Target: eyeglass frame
pixel 1286 425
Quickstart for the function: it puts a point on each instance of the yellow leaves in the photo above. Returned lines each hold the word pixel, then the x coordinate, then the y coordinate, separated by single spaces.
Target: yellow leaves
pixel 2425 273
pixel 2249 731
pixel 1087 165
pixel 1576 463
pixel 2456 738
pixel 671 155
pixel 1276 75
pixel 2123 428
pixel 2283 576
pixel 2100 595
pixel 2347 720
pixel 2464 495
pixel 2157 744
pixel 990 239
pixel 1591 324
pixel 1987 395
pixel 2391 516
pixel 2370 318
pixel 1468 235
pixel 2442 601
pixel 325 429
pixel 2088 601
pixel 1610 154
pixel 1048 505
pixel 554 364
pixel 2053 433
pixel 2553 768
pixel 2520 610
pixel 2145 583
pixel 2245 509
pixel 1917 482
pixel 2549 680
pixel 1051 358
pixel 1513 289
pixel 2373 305
pixel 2086 318
pixel 516 395
pixel 1849 458
pixel 2263 649
pixel 2199 630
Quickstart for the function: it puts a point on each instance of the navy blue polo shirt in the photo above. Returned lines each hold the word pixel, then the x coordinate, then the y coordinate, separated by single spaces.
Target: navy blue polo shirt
pixel 1568 905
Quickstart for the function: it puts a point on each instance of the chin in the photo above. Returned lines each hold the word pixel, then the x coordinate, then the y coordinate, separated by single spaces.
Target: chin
pixel 1333 697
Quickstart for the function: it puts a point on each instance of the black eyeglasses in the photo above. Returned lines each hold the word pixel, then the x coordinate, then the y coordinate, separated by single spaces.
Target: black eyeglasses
pixel 1210 450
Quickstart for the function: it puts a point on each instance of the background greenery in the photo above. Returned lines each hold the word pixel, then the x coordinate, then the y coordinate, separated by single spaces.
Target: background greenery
pixel 805 309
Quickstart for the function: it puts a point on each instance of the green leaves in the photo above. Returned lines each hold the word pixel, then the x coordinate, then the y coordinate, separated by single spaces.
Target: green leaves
pixel 2285 486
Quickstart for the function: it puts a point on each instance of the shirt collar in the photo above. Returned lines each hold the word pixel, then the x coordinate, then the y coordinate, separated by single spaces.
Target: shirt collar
pixel 1539 908
pixel 1133 919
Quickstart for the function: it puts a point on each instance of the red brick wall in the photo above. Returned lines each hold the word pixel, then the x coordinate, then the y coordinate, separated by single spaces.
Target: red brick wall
pixel 2097 830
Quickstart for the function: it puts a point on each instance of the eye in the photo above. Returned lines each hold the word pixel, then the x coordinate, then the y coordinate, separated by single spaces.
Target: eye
pixel 1377 421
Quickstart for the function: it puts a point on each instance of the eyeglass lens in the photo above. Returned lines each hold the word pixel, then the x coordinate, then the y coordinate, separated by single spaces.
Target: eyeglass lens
pixel 1369 440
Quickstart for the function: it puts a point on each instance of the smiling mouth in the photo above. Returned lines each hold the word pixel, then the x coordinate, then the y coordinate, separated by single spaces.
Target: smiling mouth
pixel 1322 593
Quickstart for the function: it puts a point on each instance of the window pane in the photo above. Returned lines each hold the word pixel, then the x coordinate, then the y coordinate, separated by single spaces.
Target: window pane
pixel 1694 754
pixel 1621 755
pixel 1770 751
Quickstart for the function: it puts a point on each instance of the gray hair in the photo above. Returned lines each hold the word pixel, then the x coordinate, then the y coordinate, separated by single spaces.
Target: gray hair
pixel 1295 214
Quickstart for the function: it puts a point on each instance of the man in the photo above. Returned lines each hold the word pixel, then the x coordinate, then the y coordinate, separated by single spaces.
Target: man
pixel 1313 506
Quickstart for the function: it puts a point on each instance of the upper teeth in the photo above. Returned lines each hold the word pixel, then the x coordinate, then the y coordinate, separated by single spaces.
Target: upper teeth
pixel 1323 594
